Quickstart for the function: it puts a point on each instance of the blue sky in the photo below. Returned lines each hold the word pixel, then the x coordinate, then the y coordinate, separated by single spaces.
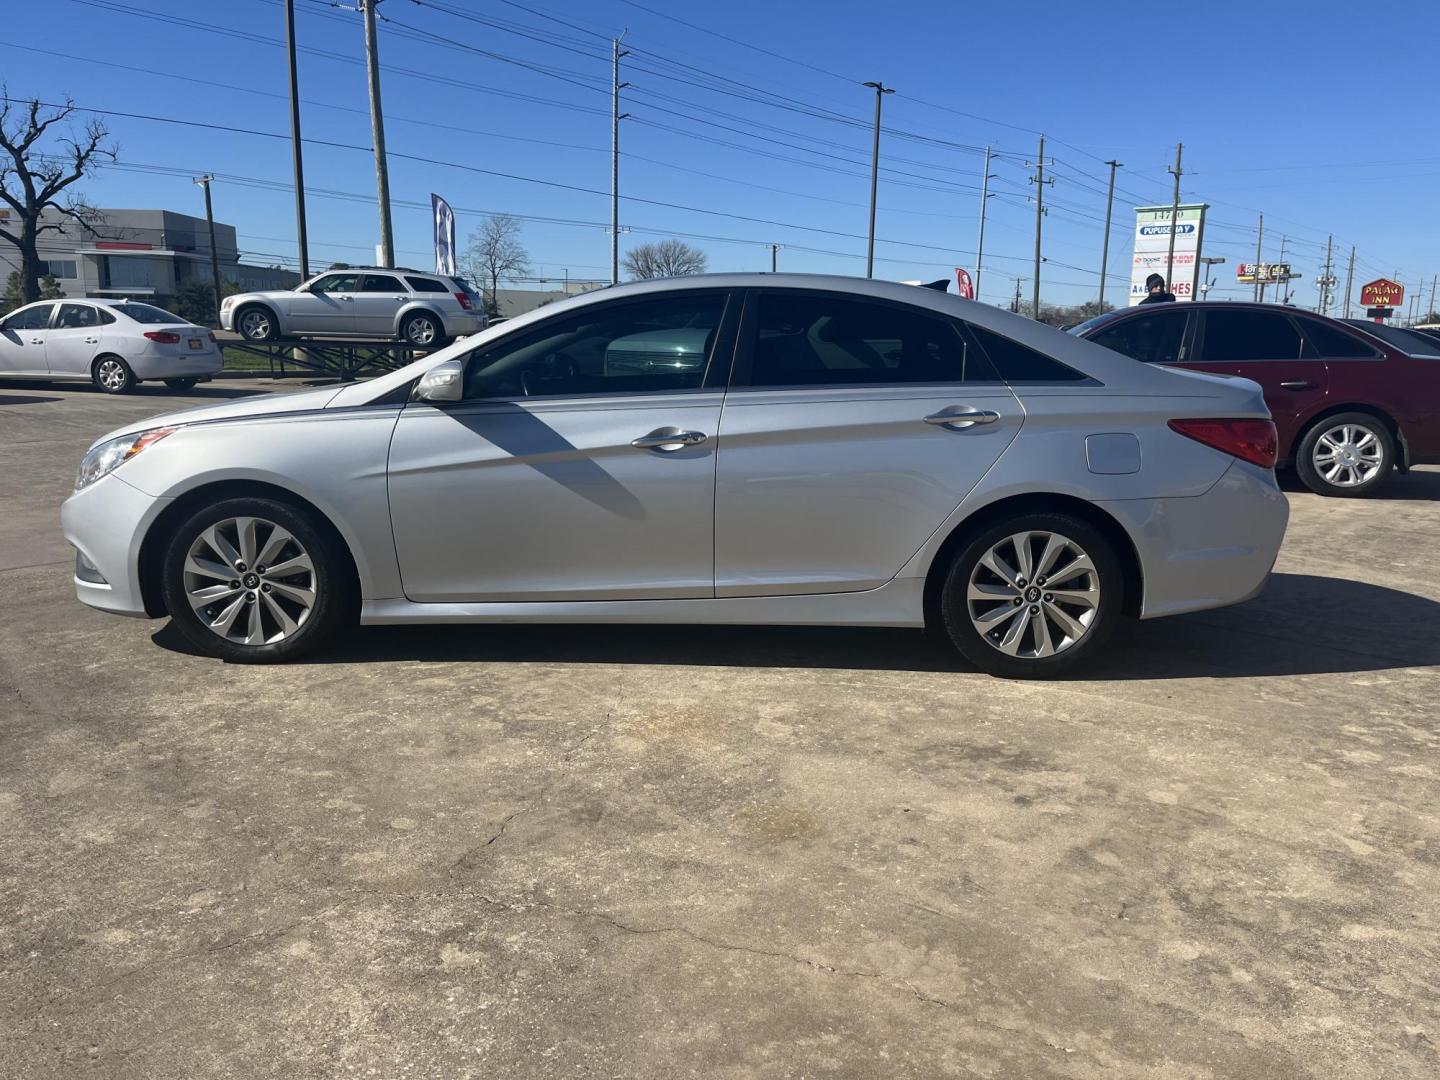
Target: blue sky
pixel 1299 110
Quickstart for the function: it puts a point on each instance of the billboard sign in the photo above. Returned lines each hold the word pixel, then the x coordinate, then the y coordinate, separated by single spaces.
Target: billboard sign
pixel 1382 292
pixel 1262 273
pixel 1152 248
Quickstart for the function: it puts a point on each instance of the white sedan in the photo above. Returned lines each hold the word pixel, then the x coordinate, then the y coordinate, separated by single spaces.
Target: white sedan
pixel 112 343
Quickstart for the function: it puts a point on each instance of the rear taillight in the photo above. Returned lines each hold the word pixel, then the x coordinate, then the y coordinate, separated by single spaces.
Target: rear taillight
pixel 164 337
pixel 213 339
pixel 464 301
pixel 1249 440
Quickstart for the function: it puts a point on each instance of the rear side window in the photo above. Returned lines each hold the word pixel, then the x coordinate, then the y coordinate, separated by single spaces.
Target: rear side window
pixel 380 283
pixel 1154 337
pixel 420 284
pixel 1332 343
pixel 105 317
pixel 1018 363
pixel 1238 336
pixel 33 318
pixel 150 315
pixel 814 339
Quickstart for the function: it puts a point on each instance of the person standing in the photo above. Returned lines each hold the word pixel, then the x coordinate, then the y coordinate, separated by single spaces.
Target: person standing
pixel 1158 294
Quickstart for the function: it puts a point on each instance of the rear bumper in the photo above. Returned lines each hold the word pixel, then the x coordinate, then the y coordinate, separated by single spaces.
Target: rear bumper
pixel 177 365
pixel 460 324
pixel 105 523
pixel 1210 550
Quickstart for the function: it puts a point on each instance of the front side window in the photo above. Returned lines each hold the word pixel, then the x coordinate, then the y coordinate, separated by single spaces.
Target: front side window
pixel 1154 338
pixel 31 318
pixel 808 339
pixel 336 283
pixel 381 283
pixel 1233 337
pixel 74 316
pixel 642 346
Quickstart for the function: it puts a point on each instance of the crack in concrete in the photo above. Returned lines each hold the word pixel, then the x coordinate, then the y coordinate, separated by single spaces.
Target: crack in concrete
pixel 471 852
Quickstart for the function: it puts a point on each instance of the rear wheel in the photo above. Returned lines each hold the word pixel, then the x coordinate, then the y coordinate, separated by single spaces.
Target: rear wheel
pixel 181 384
pixel 112 375
pixel 256 323
pixel 1347 455
pixel 422 330
pixel 253 580
pixel 1033 596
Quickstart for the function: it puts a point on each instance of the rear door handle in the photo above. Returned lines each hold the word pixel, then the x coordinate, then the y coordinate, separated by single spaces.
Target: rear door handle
pixel 1299 384
pixel 958 417
pixel 668 439
pixel 92 341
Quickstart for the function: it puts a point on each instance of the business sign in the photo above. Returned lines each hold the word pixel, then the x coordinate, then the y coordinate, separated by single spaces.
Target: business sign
pixel 1262 273
pixel 444 235
pixel 1153 226
pixel 963 285
pixel 1382 292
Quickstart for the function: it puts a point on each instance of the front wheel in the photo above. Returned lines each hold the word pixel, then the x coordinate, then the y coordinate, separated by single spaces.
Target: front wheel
pixel 253 580
pixel 181 384
pixel 112 375
pixel 422 330
pixel 1033 596
pixel 1346 456
pixel 256 323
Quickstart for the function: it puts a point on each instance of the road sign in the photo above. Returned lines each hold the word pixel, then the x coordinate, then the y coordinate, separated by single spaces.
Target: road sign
pixel 1382 292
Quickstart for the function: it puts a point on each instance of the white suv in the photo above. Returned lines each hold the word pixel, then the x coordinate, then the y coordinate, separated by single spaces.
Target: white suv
pixel 420 309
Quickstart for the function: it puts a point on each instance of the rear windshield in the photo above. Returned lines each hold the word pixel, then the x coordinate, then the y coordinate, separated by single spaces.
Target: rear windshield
pixel 148 314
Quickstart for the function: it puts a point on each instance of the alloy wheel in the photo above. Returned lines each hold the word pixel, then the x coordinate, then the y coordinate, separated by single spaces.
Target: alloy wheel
pixel 1034 594
pixel 420 331
pixel 1348 455
pixel 250 581
pixel 255 324
pixel 111 374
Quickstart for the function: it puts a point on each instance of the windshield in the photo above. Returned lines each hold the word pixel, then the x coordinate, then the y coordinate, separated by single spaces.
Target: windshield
pixel 148 314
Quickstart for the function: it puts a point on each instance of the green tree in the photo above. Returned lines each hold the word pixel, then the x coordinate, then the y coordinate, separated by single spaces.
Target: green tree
pixel 195 302
pixel 50 288
pixel 14 297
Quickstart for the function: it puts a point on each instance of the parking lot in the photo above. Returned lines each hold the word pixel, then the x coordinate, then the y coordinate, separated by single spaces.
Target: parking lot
pixel 657 852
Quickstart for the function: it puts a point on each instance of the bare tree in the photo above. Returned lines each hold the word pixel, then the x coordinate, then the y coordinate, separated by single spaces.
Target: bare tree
pixel 667 258
pixel 32 182
pixel 494 252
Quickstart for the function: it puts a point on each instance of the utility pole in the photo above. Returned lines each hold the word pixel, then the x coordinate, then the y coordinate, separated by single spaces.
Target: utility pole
pixel 984 203
pixel 615 117
pixel 1015 307
pixel 1105 250
pixel 1433 278
pixel 204 182
pixel 1259 245
pixel 295 152
pixel 1327 280
pixel 1282 286
pixel 377 134
pixel 774 257
pixel 1174 220
pixel 1349 280
pixel 1039 181
pixel 880 91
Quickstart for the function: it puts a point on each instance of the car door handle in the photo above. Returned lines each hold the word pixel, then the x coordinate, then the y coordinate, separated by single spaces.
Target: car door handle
pixel 668 439
pixel 957 418
pixel 1299 384
pixel 92 341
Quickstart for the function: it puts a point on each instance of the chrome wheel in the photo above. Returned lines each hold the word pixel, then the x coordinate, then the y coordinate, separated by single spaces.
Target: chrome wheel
pixel 1033 594
pixel 112 375
pixel 250 581
pixel 255 325
pixel 421 331
pixel 1348 455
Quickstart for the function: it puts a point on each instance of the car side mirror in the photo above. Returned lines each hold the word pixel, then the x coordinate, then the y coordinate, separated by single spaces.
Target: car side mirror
pixel 442 383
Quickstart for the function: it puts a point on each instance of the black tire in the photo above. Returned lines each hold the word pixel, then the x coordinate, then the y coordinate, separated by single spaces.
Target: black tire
pixel 256 322
pixel 112 375
pixel 1035 603
pixel 186 383
pixel 330 581
pixel 1348 483
pixel 423 325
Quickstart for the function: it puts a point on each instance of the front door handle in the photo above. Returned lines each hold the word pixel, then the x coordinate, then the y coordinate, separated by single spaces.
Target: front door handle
pixel 959 417
pixel 668 439
pixel 1299 384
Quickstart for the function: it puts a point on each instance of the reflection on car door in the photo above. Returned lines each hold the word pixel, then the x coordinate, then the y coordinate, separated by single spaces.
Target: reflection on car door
pixel 377 303
pixel 836 461
pixel 73 340
pixel 22 341
pixel 560 477
pixel 328 307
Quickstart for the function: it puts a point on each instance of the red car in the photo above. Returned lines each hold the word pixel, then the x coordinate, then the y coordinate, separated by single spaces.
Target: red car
pixel 1349 407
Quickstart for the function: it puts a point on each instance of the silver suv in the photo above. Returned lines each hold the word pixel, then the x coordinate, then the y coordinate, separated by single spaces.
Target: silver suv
pixel 411 306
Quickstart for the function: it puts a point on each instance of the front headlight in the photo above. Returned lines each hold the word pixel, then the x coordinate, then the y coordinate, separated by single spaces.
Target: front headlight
pixel 114 452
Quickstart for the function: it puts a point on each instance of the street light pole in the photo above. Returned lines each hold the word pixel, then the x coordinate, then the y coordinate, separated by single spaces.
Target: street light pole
pixel 377 134
pixel 1105 250
pixel 880 91
pixel 295 151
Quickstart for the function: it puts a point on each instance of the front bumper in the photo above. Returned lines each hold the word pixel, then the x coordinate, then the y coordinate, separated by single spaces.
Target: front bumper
pixel 1211 550
pixel 105 523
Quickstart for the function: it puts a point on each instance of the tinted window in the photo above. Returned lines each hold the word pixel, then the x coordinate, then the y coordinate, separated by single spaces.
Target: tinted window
pixel 381 283
pixel 105 317
pixel 336 283
pixel 420 284
pixel 1018 363
pixel 149 314
pixel 32 318
pixel 815 340
pixel 1334 343
pixel 1413 342
pixel 1154 338
pixel 1238 336
pixel 73 316
pixel 641 347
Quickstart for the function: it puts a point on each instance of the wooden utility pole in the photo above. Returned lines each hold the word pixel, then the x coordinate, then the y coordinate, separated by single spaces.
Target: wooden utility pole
pixel 1105 249
pixel 295 152
pixel 1174 221
pixel 377 134
pixel 204 182
pixel 1039 181
pixel 1259 246
pixel 615 117
pixel 880 91
pixel 1349 280
pixel 984 202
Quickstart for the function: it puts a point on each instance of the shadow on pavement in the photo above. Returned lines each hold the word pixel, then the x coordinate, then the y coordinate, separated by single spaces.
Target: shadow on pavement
pixel 1300 625
pixel 1414 485
pixel 203 392
pixel 24 399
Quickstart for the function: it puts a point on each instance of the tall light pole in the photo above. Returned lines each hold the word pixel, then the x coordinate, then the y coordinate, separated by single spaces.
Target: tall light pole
pixel 1174 220
pixel 295 152
pixel 880 91
pixel 1349 280
pixel 1105 250
pixel 204 182
pixel 1039 181
pixel 377 134
pixel 984 203
pixel 615 117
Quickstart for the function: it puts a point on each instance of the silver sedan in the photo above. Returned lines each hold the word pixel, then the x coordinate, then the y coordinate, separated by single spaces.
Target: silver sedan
pixel 757 449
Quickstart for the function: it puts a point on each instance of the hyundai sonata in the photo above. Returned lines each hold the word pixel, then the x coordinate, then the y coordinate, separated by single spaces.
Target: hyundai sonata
pixel 759 449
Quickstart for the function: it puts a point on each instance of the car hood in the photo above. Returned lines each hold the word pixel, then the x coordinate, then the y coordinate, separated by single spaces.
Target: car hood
pixel 244 408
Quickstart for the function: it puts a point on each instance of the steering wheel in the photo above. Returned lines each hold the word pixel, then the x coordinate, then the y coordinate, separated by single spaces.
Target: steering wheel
pixel 559 365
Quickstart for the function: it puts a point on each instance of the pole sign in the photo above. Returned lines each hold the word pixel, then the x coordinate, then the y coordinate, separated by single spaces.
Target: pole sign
pixel 1382 292
pixel 963 284
pixel 1262 273
pixel 1152 249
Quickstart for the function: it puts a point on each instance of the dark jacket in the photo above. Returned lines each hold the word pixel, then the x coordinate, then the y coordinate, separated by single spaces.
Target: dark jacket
pixel 1159 298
